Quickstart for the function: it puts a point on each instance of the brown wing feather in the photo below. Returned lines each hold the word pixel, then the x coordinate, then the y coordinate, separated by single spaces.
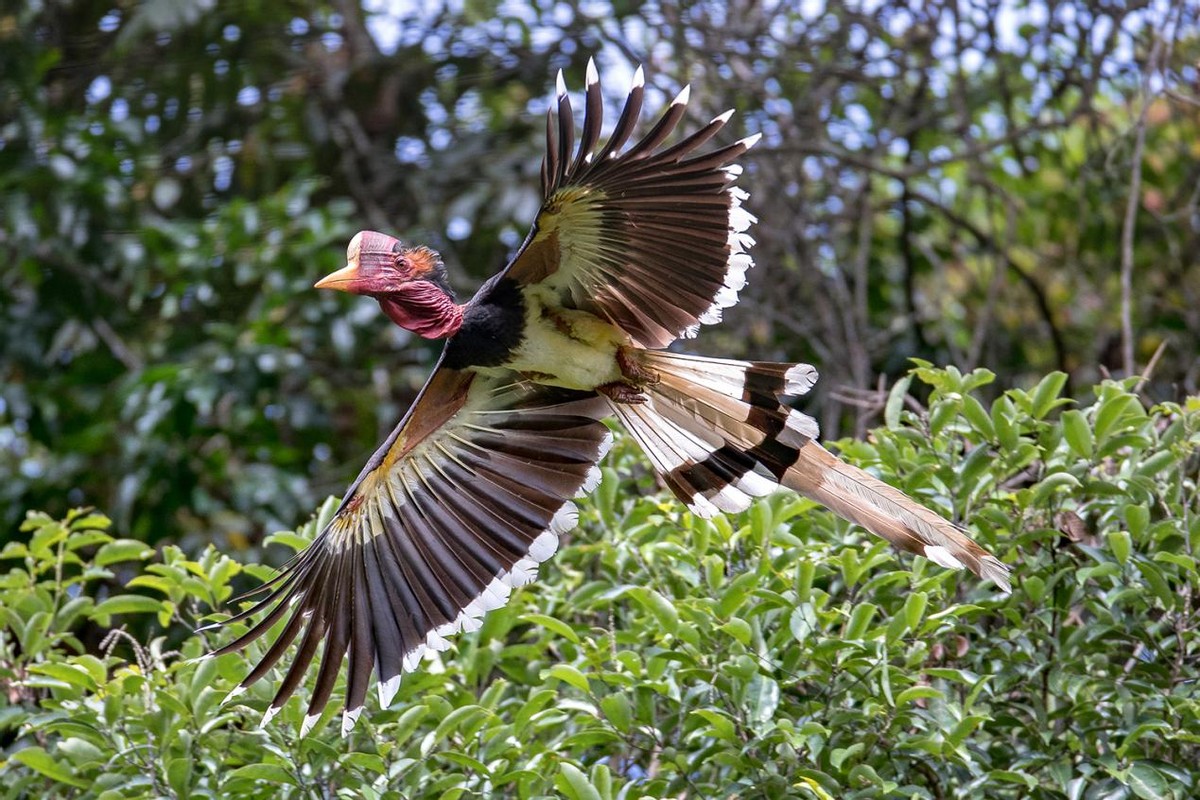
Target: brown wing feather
pixel 652 240
pixel 457 507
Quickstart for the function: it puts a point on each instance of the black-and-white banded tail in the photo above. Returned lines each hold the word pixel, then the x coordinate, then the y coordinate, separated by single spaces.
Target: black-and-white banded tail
pixel 718 434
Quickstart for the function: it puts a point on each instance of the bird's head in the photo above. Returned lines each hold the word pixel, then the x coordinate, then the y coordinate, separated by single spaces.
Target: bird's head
pixel 409 283
pixel 378 264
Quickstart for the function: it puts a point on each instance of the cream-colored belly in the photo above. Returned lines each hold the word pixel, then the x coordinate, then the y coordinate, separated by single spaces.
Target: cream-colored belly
pixel 568 348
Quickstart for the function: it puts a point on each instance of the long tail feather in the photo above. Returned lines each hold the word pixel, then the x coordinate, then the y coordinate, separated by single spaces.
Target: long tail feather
pixel 718 434
pixel 889 513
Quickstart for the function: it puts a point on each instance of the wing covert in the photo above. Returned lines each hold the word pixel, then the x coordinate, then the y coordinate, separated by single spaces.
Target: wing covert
pixel 652 240
pixel 456 508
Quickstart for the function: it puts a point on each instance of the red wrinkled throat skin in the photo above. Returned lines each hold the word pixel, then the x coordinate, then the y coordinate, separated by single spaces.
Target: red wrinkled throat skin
pixel 425 309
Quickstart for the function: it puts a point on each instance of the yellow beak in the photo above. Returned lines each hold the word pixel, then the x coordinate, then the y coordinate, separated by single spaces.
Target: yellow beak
pixel 339 280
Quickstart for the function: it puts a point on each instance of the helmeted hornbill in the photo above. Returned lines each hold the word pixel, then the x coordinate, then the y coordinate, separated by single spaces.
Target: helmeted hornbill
pixel 633 248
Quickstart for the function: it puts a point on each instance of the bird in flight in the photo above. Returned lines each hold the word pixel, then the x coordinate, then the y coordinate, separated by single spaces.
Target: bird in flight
pixel 635 246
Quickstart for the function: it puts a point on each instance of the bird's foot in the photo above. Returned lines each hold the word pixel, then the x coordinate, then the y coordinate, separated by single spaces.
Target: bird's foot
pixel 621 392
pixel 636 377
pixel 632 368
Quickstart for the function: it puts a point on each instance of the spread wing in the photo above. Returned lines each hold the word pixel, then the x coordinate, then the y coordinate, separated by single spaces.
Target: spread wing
pixel 458 506
pixel 651 239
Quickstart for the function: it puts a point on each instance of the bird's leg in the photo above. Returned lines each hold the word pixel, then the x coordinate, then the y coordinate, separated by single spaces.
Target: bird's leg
pixel 622 392
pixel 636 377
pixel 633 369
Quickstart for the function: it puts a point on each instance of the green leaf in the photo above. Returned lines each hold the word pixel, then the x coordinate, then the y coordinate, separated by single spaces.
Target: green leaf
pixel 408 721
pixel 944 412
pixel 40 761
pixel 810 786
pixel 1158 584
pixel 617 709
pixel 739 629
pixel 896 627
pixel 860 619
pixel 1137 519
pixel 123 550
pixel 533 705
pixel 916 693
pixel 914 608
pixel 1154 727
pixel 762 698
pixel 67 673
pixel 1121 546
pixel 293 541
pixel 977 416
pixel 590 738
pixel 1114 412
pixel 895 402
pixel 267 773
pixel 368 762
pixel 125 604
pixel 79 540
pixel 1180 560
pixel 1052 484
pixel 568 674
pixel 967 726
pixel 376 764
pixel 1077 433
pixel 94 666
pixel 463 720
pixel 602 780
pixel 1045 395
pixel 1013 776
pixel 839 756
pixel 735 593
pixel 575 784
pixel 803 622
pixel 662 608
pixel 45 537
pixel 1156 463
pixel 151 582
pixel 179 775
pixel 714 570
pixel 1004 422
pixel 558 626
pixel 88 521
pixel 980 376
pixel 722 726
pixel 1034 586
pixel 1147 782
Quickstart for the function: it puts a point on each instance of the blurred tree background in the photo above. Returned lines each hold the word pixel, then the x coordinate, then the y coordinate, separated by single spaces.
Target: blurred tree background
pixel 1003 184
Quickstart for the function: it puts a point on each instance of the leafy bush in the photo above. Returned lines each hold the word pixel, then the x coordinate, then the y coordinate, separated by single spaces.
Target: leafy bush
pixel 777 653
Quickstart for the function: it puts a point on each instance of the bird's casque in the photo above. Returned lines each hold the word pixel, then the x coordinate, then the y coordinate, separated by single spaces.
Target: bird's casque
pixel 635 246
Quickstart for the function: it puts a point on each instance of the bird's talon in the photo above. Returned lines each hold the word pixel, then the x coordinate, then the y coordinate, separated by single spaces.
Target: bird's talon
pixel 621 392
pixel 633 370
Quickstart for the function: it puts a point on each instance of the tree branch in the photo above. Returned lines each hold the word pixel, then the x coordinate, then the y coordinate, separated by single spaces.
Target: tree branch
pixel 1131 206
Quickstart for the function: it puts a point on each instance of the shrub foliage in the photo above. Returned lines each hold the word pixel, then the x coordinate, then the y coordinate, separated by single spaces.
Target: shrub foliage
pixel 777 653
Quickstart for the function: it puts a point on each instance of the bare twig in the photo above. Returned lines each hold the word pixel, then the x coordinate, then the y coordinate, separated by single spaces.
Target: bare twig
pixel 1131 207
pixel 1149 370
pixel 116 345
